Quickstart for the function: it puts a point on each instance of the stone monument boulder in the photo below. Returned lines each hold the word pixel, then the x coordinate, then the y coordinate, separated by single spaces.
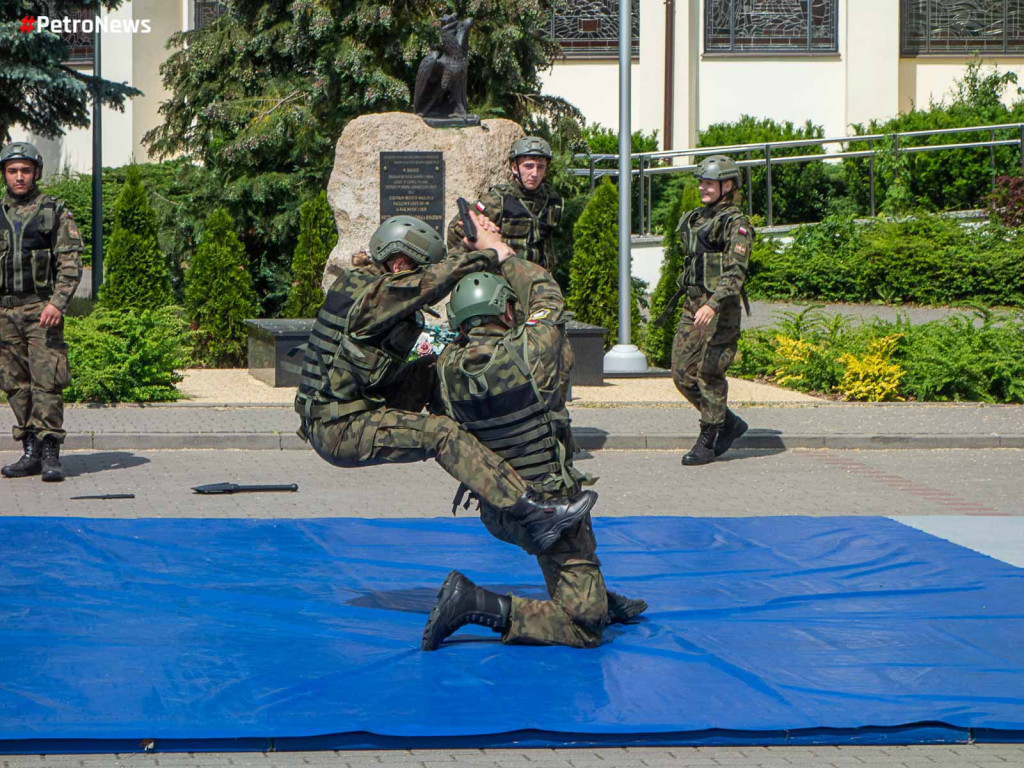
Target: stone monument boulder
pixel 474 158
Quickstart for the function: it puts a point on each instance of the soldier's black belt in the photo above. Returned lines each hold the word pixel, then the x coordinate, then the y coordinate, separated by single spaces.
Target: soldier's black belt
pixel 20 300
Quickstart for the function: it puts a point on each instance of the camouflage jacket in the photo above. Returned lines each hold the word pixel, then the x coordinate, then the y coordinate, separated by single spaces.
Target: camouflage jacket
pixel 527 221
pixel 508 386
pixel 716 243
pixel 40 249
pixel 367 327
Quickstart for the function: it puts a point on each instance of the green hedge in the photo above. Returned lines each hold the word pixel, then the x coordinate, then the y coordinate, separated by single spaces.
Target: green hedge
pixel 126 356
pixel 925 259
pixel 973 358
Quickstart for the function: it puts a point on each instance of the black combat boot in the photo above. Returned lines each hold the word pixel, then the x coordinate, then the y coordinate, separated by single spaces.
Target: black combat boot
pixel 53 472
pixel 461 602
pixel 731 431
pixel 621 608
pixel 29 463
pixel 703 451
pixel 545 520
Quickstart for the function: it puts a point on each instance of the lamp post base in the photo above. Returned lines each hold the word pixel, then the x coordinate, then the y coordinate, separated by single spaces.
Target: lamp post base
pixel 625 358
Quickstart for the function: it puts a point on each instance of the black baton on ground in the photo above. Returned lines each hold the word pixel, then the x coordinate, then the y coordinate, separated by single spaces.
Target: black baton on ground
pixel 233 488
pixel 105 496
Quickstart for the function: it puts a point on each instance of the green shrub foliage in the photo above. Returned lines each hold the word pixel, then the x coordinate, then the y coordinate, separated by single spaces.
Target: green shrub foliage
pixel 219 294
pixel 135 272
pixel 317 237
pixel 594 274
pixel 969 357
pixel 947 179
pixel 1007 200
pixel 924 259
pixel 126 356
pixel 658 340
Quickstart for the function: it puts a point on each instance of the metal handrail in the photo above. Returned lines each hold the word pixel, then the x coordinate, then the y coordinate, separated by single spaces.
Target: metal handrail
pixel 647 160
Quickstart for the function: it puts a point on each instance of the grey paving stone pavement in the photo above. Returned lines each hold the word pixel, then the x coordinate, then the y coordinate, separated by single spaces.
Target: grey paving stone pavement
pixel 795 482
pixel 763 313
pixel 824 425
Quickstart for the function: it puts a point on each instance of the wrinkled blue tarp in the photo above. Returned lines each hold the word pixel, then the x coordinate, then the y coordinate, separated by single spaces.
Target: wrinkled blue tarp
pixel 275 629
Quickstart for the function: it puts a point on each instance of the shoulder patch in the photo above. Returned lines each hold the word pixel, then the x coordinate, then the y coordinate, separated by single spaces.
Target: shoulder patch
pixel 536 317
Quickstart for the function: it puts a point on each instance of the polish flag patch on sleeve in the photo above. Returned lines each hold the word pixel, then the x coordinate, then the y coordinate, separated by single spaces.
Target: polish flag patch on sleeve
pixel 743 231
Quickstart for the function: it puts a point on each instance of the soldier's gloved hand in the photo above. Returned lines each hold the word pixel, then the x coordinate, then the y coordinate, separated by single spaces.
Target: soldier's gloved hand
pixel 50 316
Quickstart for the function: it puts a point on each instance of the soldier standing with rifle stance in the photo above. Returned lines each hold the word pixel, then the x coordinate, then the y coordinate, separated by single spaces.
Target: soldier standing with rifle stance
pixel 361 403
pixel 526 210
pixel 716 241
pixel 505 382
pixel 40 267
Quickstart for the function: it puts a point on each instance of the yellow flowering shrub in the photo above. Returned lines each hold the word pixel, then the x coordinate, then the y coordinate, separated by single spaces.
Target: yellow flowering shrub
pixel 873 377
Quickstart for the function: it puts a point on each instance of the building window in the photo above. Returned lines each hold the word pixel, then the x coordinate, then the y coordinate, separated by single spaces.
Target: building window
pixel 80 44
pixel 961 27
pixel 771 26
pixel 205 11
pixel 590 28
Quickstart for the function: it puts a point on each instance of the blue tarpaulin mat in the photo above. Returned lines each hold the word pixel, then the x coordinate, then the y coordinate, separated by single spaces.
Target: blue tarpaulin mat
pixel 226 634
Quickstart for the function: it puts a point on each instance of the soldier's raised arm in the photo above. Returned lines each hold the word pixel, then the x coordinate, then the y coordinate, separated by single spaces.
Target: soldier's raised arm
pixel 542 309
pixel 490 202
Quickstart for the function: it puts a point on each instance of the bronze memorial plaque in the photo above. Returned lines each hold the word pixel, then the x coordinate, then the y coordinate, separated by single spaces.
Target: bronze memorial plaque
pixel 412 184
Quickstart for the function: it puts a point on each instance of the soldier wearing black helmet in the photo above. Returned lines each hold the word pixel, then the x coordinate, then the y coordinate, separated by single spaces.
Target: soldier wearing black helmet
pixel 504 379
pixel 526 210
pixel 40 268
pixel 361 403
pixel 716 241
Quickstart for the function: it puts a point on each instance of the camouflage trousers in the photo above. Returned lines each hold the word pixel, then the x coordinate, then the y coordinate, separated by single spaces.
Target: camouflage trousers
pixel 33 371
pixel 577 611
pixel 389 435
pixel 701 356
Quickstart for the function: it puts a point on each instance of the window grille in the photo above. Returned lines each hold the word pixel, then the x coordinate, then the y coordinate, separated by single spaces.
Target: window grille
pixel 771 26
pixel 590 28
pixel 961 27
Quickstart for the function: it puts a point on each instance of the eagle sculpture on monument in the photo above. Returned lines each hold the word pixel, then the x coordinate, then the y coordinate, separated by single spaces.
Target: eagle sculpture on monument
pixel 441 80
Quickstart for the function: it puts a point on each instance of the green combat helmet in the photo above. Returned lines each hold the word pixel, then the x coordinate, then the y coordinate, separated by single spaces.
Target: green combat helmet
pixel 478 295
pixel 21 150
pixel 408 236
pixel 530 146
pixel 719 168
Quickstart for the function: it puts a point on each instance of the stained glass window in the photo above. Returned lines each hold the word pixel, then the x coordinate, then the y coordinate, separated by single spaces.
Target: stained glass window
pixel 756 26
pixel 961 27
pixel 206 11
pixel 590 28
pixel 80 44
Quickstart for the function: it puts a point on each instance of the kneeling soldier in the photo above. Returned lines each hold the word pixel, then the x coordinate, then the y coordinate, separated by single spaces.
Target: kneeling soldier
pixel 505 382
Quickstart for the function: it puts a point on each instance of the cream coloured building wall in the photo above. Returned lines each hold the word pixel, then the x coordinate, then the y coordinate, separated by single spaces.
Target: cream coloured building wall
pixel 865 79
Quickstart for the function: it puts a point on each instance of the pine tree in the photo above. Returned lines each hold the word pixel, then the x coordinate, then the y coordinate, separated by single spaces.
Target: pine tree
pixel 219 295
pixel 317 237
pixel 594 273
pixel 658 342
pixel 37 90
pixel 136 275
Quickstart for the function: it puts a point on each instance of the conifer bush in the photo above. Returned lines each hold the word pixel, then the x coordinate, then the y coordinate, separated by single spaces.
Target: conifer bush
pixel 219 294
pixel 317 237
pixel 594 273
pixel 658 341
pixel 135 271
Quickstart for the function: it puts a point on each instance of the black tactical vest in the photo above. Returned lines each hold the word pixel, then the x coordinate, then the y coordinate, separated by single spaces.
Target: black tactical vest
pixel 529 232
pixel 27 265
pixel 342 375
pixel 705 247
pixel 501 406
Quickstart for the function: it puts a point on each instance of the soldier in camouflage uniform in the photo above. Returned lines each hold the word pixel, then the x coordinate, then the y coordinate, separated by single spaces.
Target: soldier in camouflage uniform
pixel 716 240
pixel 40 267
pixel 504 380
pixel 360 401
pixel 526 210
